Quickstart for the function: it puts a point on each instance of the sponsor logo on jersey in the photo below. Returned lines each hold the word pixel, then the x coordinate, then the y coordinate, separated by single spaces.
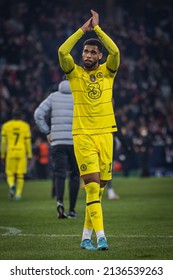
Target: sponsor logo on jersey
pixel 94 91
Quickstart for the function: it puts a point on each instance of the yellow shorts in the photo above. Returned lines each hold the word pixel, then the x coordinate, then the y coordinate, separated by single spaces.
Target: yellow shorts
pixel 16 165
pixel 94 154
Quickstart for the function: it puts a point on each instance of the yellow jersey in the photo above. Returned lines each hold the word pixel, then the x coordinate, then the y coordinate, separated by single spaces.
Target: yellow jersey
pixel 91 90
pixel 16 139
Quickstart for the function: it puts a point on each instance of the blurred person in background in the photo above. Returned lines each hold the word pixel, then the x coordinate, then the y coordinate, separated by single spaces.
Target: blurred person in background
pixel 143 86
pixel 124 150
pixel 59 107
pixel 111 192
pixel 122 153
pixel 16 149
pixel 142 144
pixel 169 152
pixel 41 154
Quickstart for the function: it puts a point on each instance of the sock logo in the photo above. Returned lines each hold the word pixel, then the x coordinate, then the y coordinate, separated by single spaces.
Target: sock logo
pixel 93 213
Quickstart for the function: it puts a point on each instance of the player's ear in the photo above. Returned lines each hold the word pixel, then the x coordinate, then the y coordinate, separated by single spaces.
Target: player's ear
pixel 100 56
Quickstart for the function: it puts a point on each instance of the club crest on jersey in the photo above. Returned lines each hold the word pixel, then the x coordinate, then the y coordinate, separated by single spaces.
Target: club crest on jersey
pixel 83 167
pixel 99 75
pixel 92 78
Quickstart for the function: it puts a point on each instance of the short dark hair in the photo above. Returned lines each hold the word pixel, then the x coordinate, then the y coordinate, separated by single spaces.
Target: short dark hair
pixel 94 42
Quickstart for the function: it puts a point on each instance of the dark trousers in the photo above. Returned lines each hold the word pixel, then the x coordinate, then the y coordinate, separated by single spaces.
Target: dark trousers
pixel 42 170
pixel 144 164
pixel 64 164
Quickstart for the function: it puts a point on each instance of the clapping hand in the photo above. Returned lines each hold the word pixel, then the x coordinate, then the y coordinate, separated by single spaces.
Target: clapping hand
pixel 95 18
pixel 91 23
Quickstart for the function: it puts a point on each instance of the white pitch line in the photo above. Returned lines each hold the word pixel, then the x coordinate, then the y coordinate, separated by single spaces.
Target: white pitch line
pixel 11 231
pixel 140 236
pixel 48 235
pixel 77 235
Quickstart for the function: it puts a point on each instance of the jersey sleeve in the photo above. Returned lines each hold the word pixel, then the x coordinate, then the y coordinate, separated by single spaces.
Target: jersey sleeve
pixel 3 142
pixel 28 142
pixel 113 59
pixel 66 60
pixel 40 114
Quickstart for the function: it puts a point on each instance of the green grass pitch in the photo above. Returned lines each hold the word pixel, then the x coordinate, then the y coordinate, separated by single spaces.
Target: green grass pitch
pixel 139 226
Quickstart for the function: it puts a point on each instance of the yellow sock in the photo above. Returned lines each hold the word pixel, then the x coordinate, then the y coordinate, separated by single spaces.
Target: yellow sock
pixel 20 183
pixel 87 221
pixel 10 180
pixel 94 206
pixel 88 227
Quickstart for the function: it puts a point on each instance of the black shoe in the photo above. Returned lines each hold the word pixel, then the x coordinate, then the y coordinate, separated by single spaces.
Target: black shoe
pixel 73 214
pixel 60 212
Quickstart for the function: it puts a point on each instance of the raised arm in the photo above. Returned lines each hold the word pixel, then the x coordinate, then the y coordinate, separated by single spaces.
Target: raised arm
pixel 65 59
pixel 28 142
pixel 3 142
pixel 113 59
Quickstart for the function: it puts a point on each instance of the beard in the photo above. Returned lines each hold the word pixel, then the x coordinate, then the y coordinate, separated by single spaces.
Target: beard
pixel 90 65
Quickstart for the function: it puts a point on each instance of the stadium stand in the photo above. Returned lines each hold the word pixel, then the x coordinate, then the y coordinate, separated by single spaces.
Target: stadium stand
pixel 31 32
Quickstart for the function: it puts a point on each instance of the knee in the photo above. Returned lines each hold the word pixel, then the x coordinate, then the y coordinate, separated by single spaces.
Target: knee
pixel 20 176
pixel 92 188
pixel 92 192
pixel 91 178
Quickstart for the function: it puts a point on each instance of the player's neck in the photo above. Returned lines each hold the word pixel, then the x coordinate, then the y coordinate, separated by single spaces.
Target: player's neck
pixel 92 68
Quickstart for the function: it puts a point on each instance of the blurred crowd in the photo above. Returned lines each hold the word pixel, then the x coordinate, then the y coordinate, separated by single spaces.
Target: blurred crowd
pixel 31 32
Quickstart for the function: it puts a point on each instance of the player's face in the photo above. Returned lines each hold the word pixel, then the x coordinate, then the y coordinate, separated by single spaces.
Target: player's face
pixel 91 56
